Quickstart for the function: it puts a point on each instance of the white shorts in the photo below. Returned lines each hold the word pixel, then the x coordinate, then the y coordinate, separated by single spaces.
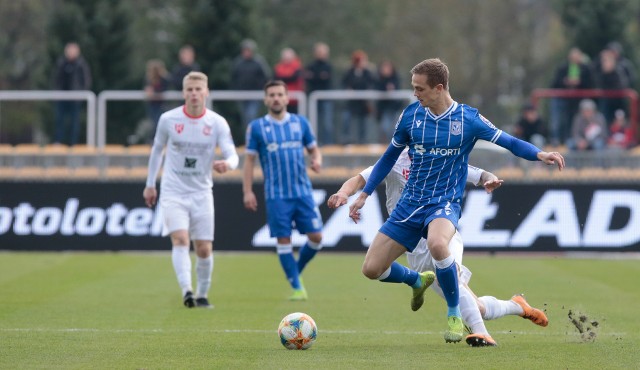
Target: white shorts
pixel 420 259
pixel 192 212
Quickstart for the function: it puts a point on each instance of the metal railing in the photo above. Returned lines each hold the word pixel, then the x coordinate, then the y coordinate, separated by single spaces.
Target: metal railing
pixel 97 106
pixel 218 95
pixel 316 96
pixel 629 94
pixel 37 95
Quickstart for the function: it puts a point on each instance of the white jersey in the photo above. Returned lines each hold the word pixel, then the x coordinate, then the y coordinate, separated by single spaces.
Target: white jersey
pixel 190 151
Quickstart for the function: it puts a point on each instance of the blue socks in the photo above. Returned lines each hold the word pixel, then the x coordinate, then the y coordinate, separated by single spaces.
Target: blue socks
pixel 447 275
pixel 307 252
pixel 289 265
pixel 398 273
pixel 293 269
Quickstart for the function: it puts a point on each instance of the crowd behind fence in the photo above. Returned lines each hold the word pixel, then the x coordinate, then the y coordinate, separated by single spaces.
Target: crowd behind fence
pixel 100 158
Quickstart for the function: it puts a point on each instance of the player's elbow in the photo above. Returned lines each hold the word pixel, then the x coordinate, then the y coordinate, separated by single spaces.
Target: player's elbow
pixel 233 161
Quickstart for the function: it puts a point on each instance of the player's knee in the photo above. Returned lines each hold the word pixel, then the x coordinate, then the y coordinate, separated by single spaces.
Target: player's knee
pixel 439 248
pixel 315 238
pixel 371 271
pixel 203 248
pixel 180 238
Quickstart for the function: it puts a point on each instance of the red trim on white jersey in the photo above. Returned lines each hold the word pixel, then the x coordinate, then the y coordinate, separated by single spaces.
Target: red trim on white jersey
pixel 184 110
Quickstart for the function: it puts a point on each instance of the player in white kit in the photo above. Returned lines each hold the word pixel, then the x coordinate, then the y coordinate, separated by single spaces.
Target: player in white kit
pixel 473 309
pixel 190 134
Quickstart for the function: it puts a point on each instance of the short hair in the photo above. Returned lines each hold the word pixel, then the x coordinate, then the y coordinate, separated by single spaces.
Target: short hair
pixel 436 71
pixel 273 83
pixel 196 76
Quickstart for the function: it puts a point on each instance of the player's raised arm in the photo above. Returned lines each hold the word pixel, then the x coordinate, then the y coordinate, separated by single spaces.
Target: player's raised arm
pixel 479 177
pixel 347 189
pixel 529 151
pixel 551 158
pixel 380 171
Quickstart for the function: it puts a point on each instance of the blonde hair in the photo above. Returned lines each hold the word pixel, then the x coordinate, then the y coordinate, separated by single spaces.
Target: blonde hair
pixel 196 76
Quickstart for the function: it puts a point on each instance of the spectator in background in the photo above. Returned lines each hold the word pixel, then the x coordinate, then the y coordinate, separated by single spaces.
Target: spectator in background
pixel 156 82
pixel 357 115
pixel 388 109
pixel 620 133
pixel 575 73
pixel 249 72
pixel 610 76
pixel 71 73
pixel 627 66
pixel 530 127
pixel 318 76
pixel 289 70
pixel 186 63
pixel 589 130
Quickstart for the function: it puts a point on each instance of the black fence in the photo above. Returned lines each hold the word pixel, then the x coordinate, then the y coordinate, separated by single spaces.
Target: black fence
pixel 112 216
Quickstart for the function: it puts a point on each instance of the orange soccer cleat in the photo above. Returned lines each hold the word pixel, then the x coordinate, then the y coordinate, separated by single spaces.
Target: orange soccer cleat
pixel 480 340
pixel 535 315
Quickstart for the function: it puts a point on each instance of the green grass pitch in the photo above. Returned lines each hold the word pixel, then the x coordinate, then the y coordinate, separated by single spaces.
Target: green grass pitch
pixel 124 311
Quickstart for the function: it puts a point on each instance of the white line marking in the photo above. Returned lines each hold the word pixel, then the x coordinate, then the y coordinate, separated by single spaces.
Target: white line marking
pixel 244 331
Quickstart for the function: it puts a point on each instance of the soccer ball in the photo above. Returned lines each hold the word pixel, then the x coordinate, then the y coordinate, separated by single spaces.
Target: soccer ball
pixel 297 331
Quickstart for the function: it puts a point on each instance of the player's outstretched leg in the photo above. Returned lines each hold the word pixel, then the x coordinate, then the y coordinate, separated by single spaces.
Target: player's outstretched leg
pixel 535 315
pixel 426 279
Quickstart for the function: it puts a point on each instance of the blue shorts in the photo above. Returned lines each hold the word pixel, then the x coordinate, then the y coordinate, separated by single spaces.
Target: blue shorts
pixel 285 214
pixel 408 223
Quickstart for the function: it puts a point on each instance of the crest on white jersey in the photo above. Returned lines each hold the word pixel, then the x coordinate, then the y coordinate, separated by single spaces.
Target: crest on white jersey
pixel 487 122
pixel 179 127
pixel 455 127
pixel 206 131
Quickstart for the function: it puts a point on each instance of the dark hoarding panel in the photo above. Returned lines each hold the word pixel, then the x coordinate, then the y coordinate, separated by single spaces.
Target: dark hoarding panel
pixel 112 216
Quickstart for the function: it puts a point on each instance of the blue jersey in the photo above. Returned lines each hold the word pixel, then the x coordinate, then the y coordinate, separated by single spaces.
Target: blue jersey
pixel 439 147
pixel 280 146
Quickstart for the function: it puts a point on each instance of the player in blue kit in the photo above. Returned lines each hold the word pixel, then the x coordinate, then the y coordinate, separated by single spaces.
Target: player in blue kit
pixel 279 139
pixel 440 134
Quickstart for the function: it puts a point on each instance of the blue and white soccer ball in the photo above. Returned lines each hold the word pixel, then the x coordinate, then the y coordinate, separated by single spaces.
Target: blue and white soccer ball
pixel 297 331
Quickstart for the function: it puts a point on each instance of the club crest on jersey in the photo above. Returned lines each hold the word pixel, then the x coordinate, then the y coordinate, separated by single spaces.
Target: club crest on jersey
pixel 179 127
pixel 295 126
pixel 455 127
pixel 206 131
pixel 190 162
pixel 487 122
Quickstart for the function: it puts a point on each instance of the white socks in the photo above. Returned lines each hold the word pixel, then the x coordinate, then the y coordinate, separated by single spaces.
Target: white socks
pixel 182 266
pixel 468 308
pixel 204 269
pixel 495 308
